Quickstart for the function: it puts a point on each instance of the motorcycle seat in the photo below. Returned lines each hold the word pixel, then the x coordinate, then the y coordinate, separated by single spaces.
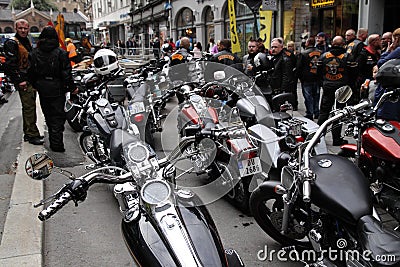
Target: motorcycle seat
pixel 383 244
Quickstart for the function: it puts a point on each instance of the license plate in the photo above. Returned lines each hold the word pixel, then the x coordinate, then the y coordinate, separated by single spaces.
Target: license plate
pixel 136 107
pixel 249 166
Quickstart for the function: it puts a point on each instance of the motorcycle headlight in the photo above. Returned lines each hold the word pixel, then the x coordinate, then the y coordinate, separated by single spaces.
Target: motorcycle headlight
pixel 155 192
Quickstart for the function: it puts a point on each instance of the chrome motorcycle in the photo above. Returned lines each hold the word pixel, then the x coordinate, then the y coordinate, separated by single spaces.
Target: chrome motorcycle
pixel 163 224
pixel 322 205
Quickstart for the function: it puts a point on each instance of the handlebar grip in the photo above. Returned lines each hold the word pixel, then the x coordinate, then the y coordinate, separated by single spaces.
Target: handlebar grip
pixel 55 206
pixel 362 105
pixel 306 191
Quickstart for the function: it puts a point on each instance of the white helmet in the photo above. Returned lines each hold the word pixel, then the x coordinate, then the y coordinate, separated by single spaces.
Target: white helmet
pixel 105 62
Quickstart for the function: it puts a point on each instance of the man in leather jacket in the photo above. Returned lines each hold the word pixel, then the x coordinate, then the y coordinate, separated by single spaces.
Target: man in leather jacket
pixel 336 70
pixel 248 60
pixel 16 51
pixel 181 55
pixel 307 69
pixel 50 72
pixel 225 56
pixel 283 78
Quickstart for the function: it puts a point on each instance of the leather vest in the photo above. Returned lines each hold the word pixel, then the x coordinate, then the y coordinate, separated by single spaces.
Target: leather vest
pixel 23 54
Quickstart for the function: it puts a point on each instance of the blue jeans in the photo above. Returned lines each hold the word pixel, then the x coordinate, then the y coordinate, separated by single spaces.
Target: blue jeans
pixel 311 93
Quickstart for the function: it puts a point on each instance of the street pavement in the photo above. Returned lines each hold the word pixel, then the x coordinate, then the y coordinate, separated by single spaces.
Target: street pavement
pixel 22 235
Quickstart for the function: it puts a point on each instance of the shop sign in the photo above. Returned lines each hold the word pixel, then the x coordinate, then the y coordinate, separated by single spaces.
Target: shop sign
pixel 321 3
pixel 270 5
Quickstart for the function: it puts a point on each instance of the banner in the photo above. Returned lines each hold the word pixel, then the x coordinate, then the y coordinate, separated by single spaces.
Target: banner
pixel 265 26
pixel 235 42
pixel 60 30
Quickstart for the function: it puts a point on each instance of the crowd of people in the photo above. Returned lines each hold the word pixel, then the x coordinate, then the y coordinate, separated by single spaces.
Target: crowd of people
pixel 349 60
pixel 346 61
pixel 44 70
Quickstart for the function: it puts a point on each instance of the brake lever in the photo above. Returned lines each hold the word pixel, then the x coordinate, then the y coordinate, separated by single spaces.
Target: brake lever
pixel 50 198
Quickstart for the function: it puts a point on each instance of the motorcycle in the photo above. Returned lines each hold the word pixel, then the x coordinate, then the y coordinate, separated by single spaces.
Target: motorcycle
pixel 211 105
pixel 146 101
pixel 91 87
pixel 321 206
pixel 5 83
pixel 163 224
pixel 377 153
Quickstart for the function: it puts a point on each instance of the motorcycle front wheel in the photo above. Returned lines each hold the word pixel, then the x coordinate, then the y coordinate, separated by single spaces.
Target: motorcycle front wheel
pixel 267 209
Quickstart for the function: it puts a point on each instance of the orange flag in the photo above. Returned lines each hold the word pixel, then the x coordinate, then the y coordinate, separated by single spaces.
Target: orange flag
pixel 60 30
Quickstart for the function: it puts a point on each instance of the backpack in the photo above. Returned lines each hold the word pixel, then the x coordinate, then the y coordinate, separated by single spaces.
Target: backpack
pixel 47 66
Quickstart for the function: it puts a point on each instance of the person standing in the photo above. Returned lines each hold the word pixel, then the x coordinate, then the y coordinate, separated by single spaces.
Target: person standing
pixel 393 50
pixel 197 50
pixel 172 44
pixel 354 45
pixel 224 55
pixel 248 60
pixel 283 78
pixel 386 41
pixel 336 72
pixel 16 51
pixel 369 57
pixel 210 45
pixel 129 46
pixel 50 73
pixel 307 69
pixel 156 47
pixel 321 42
pixel 71 49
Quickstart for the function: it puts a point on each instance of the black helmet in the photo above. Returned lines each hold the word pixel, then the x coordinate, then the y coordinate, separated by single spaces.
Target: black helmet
pixel 262 62
pixel 389 74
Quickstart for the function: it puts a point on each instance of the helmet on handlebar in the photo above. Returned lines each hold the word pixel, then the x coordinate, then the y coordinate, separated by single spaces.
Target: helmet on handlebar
pixel 261 62
pixel 105 62
pixel 389 74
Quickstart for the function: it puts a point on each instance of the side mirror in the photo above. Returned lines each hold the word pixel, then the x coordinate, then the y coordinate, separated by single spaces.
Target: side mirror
pixel 343 94
pixel 39 166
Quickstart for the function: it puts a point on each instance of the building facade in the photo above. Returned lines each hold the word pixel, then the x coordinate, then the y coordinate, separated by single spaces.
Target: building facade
pixel 202 19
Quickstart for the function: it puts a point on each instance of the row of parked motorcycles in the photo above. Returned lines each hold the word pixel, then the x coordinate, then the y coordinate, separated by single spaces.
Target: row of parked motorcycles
pixel 253 152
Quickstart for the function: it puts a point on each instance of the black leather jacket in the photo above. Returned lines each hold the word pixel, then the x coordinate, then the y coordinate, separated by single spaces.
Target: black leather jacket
pixel 48 82
pixel 307 65
pixel 335 68
pixel 180 56
pixel 225 57
pixel 283 78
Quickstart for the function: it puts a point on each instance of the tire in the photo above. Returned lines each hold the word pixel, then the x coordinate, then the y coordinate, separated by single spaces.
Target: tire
pixel 267 208
pixel 242 195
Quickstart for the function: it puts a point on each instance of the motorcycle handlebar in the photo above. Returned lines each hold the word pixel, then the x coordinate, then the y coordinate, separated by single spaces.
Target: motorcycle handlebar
pixel 76 190
pixel 217 134
pixel 344 113
pixel 55 206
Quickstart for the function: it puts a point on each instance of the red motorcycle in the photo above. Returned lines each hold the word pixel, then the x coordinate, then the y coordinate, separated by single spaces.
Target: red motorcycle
pixel 231 161
pixel 377 153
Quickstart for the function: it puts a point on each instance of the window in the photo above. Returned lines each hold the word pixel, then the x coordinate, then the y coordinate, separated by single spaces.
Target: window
pixel 64 9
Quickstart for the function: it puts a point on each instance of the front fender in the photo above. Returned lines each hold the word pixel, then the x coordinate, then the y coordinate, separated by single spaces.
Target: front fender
pixel 264 189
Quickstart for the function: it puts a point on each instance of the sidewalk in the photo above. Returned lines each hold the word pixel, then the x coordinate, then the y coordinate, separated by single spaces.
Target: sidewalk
pixel 21 243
